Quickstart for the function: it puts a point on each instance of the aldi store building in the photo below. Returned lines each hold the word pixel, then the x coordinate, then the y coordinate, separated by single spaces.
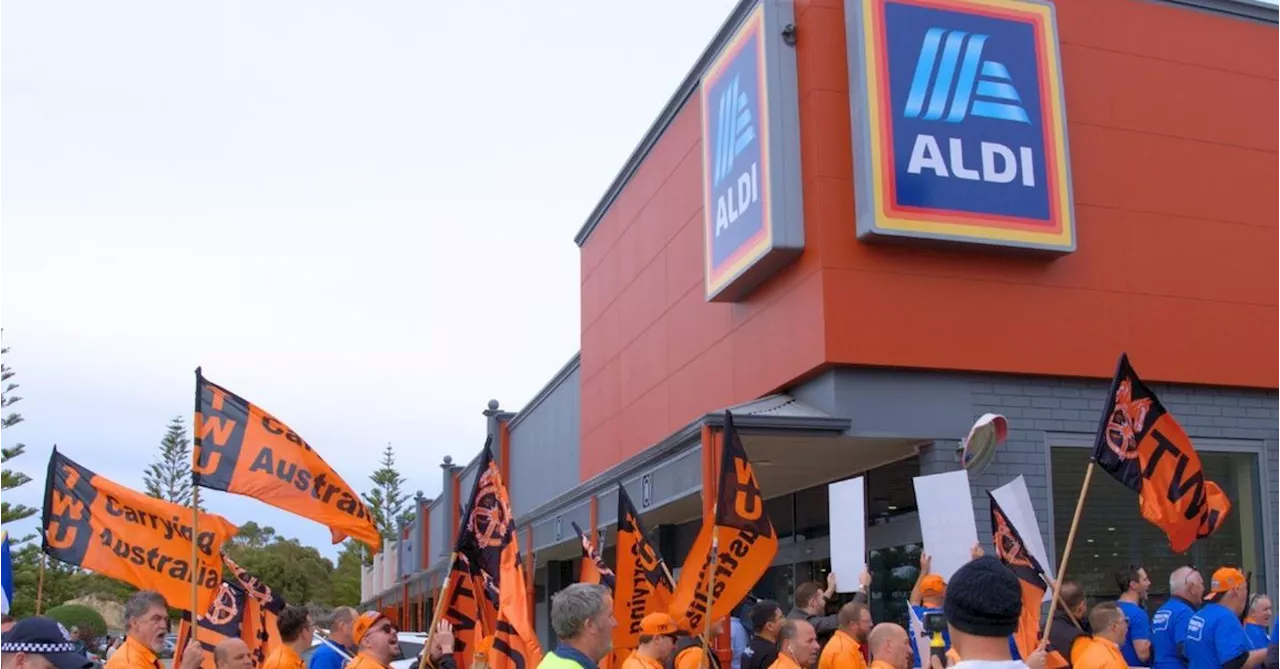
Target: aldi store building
pixel 862 224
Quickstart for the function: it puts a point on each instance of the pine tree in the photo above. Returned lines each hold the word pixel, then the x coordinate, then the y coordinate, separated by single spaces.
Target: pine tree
pixel 169 477
pixel 386 502
pixel 9 478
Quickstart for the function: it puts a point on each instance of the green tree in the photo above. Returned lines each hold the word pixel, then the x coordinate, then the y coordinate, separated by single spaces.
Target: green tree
pixel 387 503
pixel 58 585
pixel 169 477
pixel 346 576
pixel 89 621
pixel 298 573
pixel 9 478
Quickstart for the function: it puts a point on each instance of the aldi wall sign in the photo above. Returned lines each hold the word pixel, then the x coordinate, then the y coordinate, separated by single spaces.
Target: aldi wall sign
pixel 753 222
pixel 959 128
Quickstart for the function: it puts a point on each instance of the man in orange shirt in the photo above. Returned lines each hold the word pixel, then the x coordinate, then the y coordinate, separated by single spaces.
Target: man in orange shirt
pixel 844 650
pixel 146 622
pixel 797 645
pixel 658 632
pixel 376 639
pixel 1110 626
pixel 689 651
pixel 296 631
pixel 890 647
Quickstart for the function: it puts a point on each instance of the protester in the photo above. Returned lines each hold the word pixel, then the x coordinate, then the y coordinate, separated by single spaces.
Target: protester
pixel 928 595
pixel 658 634
pixel 582 618
pixel 79 643
pixel 844 650
pixel 232 653
pixel 797 645
pixel 146 621
pixel 114 645
pixel 890 647
pixel 1215 637
pixel 296 632
pixel 440 652
pixel 40 643
pixel 1110 628
pixel 811 606
pixel 1134 584
pixel 1257 622
pixel 338 649
pixel 1169 624
pixel 738 635
pixel 762 650
pixel 479 657
pixel 982 606
pixel 1068 639
pixel 691 651
pixel 376 640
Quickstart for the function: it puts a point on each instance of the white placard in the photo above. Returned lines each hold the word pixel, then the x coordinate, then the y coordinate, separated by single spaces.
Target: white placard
pixel 946 520
pixel 848 514
pixel 1014 499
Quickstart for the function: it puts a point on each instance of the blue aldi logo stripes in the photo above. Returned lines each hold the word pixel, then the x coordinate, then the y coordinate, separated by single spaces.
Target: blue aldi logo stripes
pixel 958 117
pixel 751 202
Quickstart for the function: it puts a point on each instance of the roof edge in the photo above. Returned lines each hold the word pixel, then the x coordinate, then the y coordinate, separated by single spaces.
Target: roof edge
pixel 556 381
pixel 1254 10
pixel 668 114
pixel 679 441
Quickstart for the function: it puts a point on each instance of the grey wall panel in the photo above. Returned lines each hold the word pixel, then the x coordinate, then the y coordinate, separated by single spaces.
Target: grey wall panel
pixel 467 480
pixel 545 444
pixel 662 483
pixel 439 529
pixel 558 528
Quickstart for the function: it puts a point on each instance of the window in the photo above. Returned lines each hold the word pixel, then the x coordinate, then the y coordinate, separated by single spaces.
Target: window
pixel 1113 532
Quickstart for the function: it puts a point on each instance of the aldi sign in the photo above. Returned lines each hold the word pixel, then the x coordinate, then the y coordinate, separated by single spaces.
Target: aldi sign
pixel 958 122
pixel 752 212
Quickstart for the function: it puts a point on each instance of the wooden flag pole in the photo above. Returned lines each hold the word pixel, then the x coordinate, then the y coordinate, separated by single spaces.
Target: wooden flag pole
pixel 716 464
pixel 40 584
pixel 439 611
pixel 195 556
pixel 1066 554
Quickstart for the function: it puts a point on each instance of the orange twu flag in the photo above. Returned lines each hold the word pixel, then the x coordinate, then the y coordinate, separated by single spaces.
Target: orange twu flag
pixel 742 536
pixel 487 581
pixel 245 608
pixel 643 586
pixel 241 448
pixel 104 527
pixel 1142 446
pixel 1014 554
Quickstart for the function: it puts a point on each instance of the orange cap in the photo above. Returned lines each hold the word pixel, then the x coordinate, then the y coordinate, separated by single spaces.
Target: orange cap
pixel 659 624
pixel 364 623
pixel 933 586
pixel 483 646
pixel 1224 580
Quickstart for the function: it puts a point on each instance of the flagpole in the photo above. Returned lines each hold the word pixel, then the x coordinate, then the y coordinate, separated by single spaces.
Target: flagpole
pixel 40 584
pixel 715 548
pixel 195 519
pixel 1066 553
pixel 439 611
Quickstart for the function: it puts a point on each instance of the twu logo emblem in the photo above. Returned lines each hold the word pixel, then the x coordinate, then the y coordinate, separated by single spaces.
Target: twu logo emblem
pixel 734 130
pixel 981 87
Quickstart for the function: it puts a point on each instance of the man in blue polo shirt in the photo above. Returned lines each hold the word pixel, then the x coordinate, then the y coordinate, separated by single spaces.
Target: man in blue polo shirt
pixel 1215 637
pixel 1257 621
pixel 1169 624
pixel 338 648
pixel 1134 584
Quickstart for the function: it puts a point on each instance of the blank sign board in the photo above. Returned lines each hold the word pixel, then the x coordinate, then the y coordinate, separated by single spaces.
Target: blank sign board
pixel 946 520
pixel 848 511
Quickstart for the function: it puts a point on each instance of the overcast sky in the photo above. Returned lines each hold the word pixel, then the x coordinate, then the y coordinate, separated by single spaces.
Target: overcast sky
pixel 357 215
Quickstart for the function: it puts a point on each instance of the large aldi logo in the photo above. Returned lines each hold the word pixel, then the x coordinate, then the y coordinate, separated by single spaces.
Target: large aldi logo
pixel 752 221
pixel 959 127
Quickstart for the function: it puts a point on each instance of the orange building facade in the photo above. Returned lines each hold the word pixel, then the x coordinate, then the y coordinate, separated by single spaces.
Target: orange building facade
pixel 933 209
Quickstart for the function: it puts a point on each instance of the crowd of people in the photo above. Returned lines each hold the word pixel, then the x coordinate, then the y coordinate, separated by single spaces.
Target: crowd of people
pixel 1217 624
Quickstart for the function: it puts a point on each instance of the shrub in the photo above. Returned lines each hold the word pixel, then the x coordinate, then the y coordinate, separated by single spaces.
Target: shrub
pixel 89 621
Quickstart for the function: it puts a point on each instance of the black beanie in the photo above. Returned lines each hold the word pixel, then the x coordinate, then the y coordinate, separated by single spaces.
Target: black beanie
pixel 983 598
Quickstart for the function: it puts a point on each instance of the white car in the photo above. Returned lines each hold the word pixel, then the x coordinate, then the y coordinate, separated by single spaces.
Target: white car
pixel 411 644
